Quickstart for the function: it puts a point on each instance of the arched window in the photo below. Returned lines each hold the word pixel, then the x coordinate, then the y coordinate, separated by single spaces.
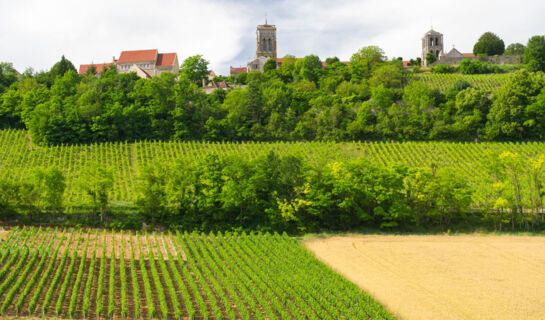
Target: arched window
pixel 437 53
pixel 264 44
pixel 270 45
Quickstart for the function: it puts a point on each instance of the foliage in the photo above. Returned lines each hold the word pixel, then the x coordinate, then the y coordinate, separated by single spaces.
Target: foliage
pixel 195 68
pixel 515 49
pixel 269 65
pixel 534 55
pixel 96 182
pixel 489 44
pixel 430 58
pixel 362 62
pixel 443 68
pixel 468 66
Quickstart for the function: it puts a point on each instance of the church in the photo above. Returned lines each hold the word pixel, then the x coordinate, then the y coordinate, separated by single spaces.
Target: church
pixel 266 46
pixel 432 42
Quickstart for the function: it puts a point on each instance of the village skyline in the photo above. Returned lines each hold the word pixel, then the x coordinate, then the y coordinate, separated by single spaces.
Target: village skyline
pixel 224 31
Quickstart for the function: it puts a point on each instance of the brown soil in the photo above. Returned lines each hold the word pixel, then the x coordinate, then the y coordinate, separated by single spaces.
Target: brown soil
pixel 444 277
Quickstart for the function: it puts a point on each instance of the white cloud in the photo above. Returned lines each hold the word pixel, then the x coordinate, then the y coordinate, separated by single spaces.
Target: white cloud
pixel 36 33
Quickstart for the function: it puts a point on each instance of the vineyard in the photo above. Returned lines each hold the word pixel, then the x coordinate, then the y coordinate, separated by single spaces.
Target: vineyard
pixel 98 274
pixel 444 82
pixel 19 157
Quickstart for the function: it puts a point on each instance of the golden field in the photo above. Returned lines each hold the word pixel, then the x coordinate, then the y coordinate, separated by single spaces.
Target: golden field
pixel 444 277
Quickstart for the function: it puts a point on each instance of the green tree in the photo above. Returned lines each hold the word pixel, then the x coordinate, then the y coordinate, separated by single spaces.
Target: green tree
pixel 515 49
pixel 195 68
pixel 269 65
pixel 59 69
pixel 51 184
pixel 152 192
pixel 507 119
pixel 9 198
pixel 362 62
pixel 287 68
pixel 489 44
pixel 389 75
pixel 91 70
pixel 311 67
pixel 452 195
pixel 97 182
pixel 534 54
pixel 430 58
pixel 7 76
pixel 330 61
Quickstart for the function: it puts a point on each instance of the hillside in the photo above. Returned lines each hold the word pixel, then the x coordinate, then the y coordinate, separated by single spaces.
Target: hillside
pixel 19 157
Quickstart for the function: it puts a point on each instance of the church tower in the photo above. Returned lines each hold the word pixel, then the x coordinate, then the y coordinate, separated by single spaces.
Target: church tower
pixel 266 41
pixel 432 42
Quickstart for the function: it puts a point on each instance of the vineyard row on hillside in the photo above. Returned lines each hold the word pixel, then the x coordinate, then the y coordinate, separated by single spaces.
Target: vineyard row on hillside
pixel 92 274
pixel 18 158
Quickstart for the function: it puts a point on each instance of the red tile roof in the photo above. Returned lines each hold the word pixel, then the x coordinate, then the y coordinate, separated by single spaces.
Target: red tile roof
pixel 165 59
pixel 137 56
pixel 235 71
pixel 469 55
pixel 99 67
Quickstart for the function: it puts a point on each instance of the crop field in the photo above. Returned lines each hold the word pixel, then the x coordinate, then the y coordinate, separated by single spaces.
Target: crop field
pixel 19 158
pixel 444 277
pixel 98 274
pixel 443 82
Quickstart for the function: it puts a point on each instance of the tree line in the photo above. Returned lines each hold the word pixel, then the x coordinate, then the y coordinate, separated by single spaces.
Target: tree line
pixel 292 193
pixel 367 99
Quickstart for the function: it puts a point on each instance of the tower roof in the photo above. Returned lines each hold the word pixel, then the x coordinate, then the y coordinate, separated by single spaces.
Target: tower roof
pixel 433 32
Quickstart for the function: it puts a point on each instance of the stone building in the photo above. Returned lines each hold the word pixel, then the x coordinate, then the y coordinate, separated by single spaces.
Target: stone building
pixel 432 42
pixel 145 63
pixel 265 46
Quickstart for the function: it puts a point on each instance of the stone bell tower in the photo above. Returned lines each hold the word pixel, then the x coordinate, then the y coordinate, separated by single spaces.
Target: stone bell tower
pixel 266 41
pixel 432 42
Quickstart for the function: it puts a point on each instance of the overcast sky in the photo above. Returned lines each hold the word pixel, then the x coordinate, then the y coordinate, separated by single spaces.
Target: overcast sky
pixel 35 33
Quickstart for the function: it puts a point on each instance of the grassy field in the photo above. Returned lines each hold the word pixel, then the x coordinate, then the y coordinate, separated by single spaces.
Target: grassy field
pixel 19 157
pixel 444 277
pixel 98 274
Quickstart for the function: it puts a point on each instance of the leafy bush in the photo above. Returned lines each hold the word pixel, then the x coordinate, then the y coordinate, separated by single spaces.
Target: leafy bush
pixel 444 68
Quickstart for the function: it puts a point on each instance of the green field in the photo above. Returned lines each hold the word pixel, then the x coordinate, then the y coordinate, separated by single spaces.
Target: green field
pixel 19 157
pixel 91 274
pixel 443 82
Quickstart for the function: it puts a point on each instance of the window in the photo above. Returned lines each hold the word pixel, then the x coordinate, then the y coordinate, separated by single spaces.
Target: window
pixel 270 45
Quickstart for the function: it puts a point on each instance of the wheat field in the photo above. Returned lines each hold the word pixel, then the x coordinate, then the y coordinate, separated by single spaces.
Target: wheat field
pixel 444 277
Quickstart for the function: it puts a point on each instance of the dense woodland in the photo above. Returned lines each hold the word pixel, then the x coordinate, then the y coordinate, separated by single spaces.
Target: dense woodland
pixel 368 99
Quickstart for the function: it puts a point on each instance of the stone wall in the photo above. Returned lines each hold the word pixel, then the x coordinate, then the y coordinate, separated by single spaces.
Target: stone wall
pixel 501 60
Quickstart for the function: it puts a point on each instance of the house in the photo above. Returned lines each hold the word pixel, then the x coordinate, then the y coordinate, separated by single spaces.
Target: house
pixel 238 70
pixel 145 63
pixel 213 85
pixel 99 67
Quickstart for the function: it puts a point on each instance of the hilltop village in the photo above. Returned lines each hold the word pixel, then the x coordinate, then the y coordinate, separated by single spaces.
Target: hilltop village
pixel 149 63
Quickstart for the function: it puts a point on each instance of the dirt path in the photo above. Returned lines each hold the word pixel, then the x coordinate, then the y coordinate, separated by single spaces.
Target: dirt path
pixel 444 277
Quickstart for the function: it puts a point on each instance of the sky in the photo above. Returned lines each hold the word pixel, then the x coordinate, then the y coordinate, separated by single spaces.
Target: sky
pixel 36 33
